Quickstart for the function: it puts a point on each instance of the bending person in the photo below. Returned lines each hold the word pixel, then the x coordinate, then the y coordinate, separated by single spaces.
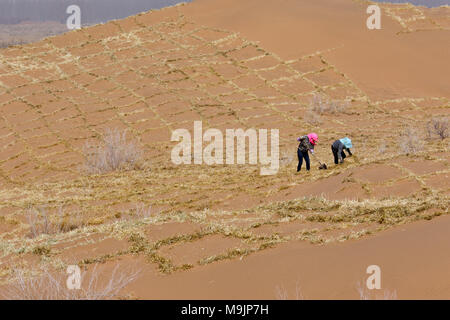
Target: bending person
pixel 338 148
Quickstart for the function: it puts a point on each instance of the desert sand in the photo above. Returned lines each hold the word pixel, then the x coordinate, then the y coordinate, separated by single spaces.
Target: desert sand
pixel 199 231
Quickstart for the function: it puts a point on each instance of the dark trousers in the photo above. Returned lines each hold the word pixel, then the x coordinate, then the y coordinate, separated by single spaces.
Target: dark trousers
pixel 301 155
pixel 335 154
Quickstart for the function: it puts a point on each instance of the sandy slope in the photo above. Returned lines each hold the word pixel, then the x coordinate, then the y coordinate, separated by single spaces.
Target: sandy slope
pixel 414 262
pixel 382 63
pixel 233 64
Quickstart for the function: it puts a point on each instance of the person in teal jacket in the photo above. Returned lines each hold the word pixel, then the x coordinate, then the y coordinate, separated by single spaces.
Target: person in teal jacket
pixel 338 148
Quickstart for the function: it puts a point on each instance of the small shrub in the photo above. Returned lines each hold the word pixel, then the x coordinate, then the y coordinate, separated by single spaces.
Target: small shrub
pixel 286 158
pixel 142 211
pixel 282 294
pixel 48 286
pixel 366 294
pixel 410 142
pixel 320 105
pixel 115 153
pixel 312 117
pixel 439 127
pixel 42 223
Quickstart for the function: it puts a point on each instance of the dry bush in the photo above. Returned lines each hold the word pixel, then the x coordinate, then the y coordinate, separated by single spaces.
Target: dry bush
pixel 282 294
pixel 439 127
pixel 141 211
pixel 48 286
pixel 116 152
pixel 312 117
pixel 366 294
pixel 42 223
pixel 286 158
pixel 410 142
pixel 321 104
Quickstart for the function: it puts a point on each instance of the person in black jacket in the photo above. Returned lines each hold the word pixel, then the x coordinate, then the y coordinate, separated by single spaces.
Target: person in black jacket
pixel 306 145
pixel 338 148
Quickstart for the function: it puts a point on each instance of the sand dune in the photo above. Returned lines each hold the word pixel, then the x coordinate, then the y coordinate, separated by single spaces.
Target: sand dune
pixel 404 59
pixel 414 261
pixel 232 64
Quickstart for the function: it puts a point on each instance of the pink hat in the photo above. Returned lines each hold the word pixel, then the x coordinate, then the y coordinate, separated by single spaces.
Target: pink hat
pixel 313 138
